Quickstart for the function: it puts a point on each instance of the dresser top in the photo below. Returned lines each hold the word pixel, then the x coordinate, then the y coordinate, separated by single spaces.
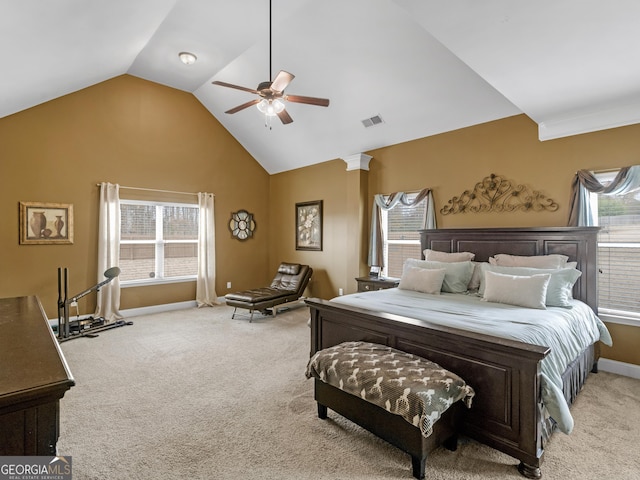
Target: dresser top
pixel 31 361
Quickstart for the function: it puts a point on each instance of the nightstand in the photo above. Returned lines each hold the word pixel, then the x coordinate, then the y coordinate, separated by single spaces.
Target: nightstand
pixel 367 284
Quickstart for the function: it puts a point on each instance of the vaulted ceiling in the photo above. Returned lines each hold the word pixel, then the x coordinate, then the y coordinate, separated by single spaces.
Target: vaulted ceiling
pixel 424 66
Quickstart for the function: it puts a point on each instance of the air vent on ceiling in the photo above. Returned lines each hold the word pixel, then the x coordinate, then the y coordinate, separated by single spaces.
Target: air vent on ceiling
pixel 370 122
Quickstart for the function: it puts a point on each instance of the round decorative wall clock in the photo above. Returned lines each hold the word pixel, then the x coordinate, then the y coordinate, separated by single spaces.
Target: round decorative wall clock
pixel 242 225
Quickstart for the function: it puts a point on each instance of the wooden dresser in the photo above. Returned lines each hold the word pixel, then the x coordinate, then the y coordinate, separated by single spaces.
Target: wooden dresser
pixel 34 376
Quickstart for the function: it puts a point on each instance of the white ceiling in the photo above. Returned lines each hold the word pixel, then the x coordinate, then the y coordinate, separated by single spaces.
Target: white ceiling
pixel 424 66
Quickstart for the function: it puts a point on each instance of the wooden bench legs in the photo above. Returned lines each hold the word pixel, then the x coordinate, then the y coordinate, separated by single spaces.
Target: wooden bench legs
pixel 392 428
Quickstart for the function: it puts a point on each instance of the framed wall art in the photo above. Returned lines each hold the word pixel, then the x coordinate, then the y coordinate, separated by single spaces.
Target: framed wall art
pixel 46 223
pixel 309 225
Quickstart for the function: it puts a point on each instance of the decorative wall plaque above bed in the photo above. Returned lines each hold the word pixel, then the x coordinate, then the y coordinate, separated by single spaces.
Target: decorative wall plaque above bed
pixel 497 194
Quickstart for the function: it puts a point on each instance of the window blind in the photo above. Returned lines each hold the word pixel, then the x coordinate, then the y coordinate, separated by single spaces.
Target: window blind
pixel 619 253
pixel 402 239
pixel 158 241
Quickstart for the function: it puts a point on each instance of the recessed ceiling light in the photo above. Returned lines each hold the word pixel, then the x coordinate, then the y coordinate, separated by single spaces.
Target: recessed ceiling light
pixel 187 58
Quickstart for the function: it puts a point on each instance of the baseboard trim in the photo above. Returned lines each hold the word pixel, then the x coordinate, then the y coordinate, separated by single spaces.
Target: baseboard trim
pixel 621 368
pixel 166 307
pixel 134 312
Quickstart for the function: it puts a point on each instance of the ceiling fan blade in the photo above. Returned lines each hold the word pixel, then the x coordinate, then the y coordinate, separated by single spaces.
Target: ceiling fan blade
pixel 285 117
pixel 237 87
pixel 281 81
pixel 320 102
pixel 243 106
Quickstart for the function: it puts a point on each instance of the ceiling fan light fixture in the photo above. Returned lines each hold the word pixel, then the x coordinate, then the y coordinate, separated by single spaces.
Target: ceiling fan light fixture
pixel 187 58
pixel 271 107
pixel 271 97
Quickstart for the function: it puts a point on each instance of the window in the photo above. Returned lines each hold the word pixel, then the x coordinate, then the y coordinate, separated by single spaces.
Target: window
pixel 158 241
pixel 618 251
pixel 401 239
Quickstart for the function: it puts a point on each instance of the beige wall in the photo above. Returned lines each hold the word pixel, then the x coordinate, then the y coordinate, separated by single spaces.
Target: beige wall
pixel 326 182
pixel 135 133
pixel 451 163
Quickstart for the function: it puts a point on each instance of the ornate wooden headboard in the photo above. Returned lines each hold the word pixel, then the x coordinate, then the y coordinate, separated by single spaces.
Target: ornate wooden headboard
pixel 578 243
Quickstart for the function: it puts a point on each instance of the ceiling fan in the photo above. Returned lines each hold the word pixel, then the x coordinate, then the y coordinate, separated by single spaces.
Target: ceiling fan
pixel 271 93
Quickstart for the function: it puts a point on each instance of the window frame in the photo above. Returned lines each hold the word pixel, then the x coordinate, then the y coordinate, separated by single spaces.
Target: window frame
pixel 624 317
pixel 159 244
pixel 385 231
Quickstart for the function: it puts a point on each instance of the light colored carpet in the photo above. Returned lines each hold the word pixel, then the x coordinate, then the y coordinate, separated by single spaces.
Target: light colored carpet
pixel 192 394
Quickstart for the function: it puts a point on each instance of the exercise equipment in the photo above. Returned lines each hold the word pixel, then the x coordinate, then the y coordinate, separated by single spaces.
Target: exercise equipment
pixel 88 327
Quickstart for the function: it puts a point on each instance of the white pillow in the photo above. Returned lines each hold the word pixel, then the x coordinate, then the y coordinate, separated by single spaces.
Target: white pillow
pixel 436 256
pixel 422 280
pixel 476 276
pixel 560 289
pixel 535 261
pixel 529 292
pixel 457 274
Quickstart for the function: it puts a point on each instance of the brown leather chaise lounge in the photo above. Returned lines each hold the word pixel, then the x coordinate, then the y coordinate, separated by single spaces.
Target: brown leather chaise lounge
pixel 287 286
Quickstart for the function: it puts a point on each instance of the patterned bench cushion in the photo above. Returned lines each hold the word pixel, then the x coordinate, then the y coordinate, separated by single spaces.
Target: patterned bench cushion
pixel 404 384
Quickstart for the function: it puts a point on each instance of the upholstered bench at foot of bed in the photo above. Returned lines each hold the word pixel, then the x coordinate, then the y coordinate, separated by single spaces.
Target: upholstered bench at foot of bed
pixel 417 416
pixel 390 427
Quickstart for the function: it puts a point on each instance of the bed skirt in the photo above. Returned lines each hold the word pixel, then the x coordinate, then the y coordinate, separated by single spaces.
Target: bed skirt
pixel 573 380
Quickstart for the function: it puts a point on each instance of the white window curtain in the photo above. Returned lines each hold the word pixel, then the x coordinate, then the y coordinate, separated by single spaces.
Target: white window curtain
pixel 626 181
pixel 108 297
pixel 376 248
pixel 206 281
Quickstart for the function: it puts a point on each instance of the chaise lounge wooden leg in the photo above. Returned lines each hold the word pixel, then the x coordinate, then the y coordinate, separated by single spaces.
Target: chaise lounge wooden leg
pixel 233 315
pixel 322 412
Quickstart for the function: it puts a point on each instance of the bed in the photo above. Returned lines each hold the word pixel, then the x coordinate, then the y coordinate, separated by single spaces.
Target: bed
pixel 509 375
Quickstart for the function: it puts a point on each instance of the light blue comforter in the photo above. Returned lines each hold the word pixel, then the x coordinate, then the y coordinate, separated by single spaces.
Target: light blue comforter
pixel 567 331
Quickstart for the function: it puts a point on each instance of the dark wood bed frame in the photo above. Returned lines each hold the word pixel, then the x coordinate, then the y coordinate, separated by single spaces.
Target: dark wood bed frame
pixel 507 412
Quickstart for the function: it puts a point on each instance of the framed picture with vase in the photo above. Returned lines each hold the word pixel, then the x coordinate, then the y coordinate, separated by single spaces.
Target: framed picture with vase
pixel 46 223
